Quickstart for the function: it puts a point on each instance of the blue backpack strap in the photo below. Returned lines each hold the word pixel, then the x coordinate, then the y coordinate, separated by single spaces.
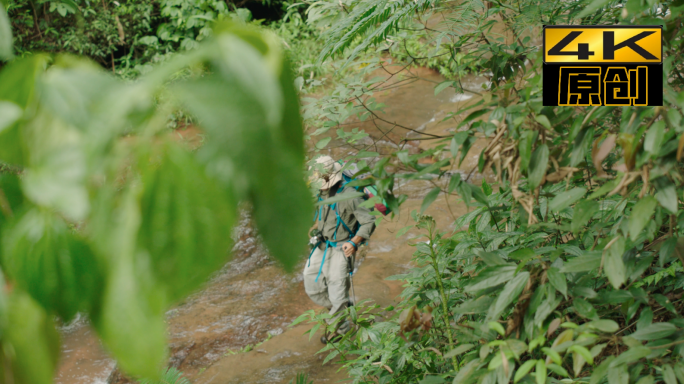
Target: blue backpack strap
pixel 339 220
pixel 328 243
pixel 312 251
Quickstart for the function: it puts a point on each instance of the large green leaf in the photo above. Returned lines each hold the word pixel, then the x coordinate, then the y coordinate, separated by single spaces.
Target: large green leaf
pixel 654 331
pixel 667 195
pixel 57 172
pixel 186 220
pixel 240 133
pixel 524 369
pixel 546 308
pixel 641 214
pixel 669 376
pixel 618 375
pixel 510 292
pixel 583 212
pixel 566 199
pixel 540 371
pixel 538 164
pixel 52 264
pixel 587 262
pixel 667 250
pixel 9 114
pixel 608 326
pixel 653 140
pixel 429 198
pixel 30 342
pixel 71 91
pixel 525 148
pixel 17 84
pixel 557 279
pixel 479 305
pixel 630 356
pixel 613 265
pixel 130 320
pixel 491 277
pixel 601 371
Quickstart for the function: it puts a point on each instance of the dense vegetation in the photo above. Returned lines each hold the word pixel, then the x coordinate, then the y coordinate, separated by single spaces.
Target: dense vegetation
pixel 568 268
pixel 125 36
pixel 104 212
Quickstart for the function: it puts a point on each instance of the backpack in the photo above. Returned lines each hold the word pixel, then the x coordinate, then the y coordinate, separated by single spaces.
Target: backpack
pixel 348 175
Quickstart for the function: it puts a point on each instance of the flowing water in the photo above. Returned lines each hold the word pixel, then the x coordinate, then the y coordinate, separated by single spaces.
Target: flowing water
pixel 252 299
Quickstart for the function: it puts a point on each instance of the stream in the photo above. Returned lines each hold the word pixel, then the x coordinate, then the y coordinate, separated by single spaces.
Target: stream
pixel 252 299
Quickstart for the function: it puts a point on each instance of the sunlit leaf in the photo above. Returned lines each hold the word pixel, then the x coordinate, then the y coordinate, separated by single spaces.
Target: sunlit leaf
pixel 667 196
pixel 605 325
pixel 323 142
pixel 5 35
pixel 524 369
pixel 442 86
pixel 540 372
pixel 493 325
pixel 9 114
pixel 17 85
pixel 543 120
pixel 582 351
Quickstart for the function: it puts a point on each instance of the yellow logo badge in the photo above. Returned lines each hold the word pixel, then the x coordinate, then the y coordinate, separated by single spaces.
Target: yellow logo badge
pixel 602 65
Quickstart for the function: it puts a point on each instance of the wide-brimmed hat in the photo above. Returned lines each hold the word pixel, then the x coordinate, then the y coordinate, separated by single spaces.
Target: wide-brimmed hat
pixel 327 172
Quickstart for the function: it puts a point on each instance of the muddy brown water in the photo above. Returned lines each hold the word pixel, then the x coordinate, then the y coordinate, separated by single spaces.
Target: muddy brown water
pixel 252 297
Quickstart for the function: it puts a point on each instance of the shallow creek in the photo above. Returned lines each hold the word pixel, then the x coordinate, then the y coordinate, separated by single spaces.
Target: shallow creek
pixel 252 299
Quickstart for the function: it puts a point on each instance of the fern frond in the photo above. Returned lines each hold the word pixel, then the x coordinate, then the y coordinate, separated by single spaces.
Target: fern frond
pixel 373 20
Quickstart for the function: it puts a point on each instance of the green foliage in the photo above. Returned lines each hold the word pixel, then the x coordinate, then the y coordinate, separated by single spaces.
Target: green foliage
pixel 94 29
pixel 302 378
pixel 170 376
pixel 569 268
pixel 127 36
pixel 110 215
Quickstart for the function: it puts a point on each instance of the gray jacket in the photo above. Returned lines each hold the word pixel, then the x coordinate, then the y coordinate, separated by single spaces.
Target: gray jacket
pixel 350 211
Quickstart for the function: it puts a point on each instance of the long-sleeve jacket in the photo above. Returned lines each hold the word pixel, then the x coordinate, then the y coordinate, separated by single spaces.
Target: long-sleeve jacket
pixel 351 212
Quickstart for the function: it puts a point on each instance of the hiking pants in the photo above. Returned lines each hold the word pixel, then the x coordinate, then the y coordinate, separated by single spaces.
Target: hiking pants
pixel 332 289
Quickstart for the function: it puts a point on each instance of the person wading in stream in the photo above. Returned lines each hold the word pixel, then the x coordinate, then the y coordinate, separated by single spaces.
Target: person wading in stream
pixel 342 227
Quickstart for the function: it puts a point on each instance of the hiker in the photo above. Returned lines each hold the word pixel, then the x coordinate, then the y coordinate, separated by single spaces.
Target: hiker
pixel 342 228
